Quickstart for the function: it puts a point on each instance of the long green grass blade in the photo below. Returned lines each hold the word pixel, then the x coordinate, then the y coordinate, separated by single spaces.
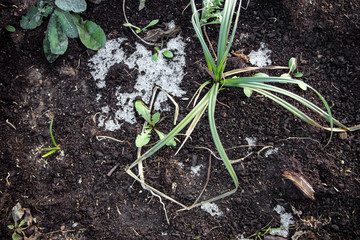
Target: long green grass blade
pixel 211 113
pixel 174 132
pixel 51 134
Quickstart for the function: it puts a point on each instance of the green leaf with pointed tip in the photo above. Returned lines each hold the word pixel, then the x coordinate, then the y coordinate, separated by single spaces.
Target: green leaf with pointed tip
pixel 76 6
pixel 56 35
pixel 91 34
pixel 143 111
pixel 154 57
pixel 67 23
pixel 168 54
pixel 11 227
pixel 292 64
pixel 161 135
pixel 155 118
pixel 248 92
pixel 46 46
pixel 143 138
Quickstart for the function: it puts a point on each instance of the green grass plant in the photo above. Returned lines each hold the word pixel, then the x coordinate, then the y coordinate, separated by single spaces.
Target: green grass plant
pixel 56 147
pixel 218 79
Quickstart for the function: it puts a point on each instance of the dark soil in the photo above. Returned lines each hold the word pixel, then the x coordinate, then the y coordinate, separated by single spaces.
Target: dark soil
pixel 70 194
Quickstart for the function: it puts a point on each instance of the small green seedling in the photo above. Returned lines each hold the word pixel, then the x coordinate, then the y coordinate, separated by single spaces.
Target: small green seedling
pixel 211 12
pixel 166 53
pixel 144 29
pixel 52 149
pixel 23 214
pixel 64 23
pixel 144 137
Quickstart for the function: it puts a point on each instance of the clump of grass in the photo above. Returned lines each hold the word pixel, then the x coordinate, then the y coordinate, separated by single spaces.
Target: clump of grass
pixel 218 79
pixel 56 147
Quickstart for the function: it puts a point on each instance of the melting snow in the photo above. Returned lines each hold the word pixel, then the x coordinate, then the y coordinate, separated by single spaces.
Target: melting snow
pixel 166 73
pixel 260 58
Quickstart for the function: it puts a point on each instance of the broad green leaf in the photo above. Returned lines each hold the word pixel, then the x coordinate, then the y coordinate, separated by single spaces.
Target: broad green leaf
pixel 168 54
pixel 16 236
pixel 56 35
pixel 33 18
pixel 248 92
pixel 302 86
pixel 154 57
pixel 143 111
pixel 143 138
pixel 76 6
pixel 46 46
pixel 155 118
pixel 11 227
pixel 10 28
pixel 161 135
pixel 292 64
pixel 152 23
pixel 298 75
pixel 67 23
pixel 91 34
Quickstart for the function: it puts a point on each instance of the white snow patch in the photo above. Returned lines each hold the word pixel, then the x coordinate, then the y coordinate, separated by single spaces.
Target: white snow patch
pixel 212 209
pixel 286 219
pixel 271 151
pixel 260 58
pixel 166 73
pixel 196 170
pixel 251 141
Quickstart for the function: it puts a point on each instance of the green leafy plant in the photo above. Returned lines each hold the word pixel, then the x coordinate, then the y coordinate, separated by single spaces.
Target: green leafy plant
pixel 22 220
pixel 56 147
pixel 64 23
pixel 144 29
pixel 166 53
pixel 218 79
pixel 211 12
pixel 144 137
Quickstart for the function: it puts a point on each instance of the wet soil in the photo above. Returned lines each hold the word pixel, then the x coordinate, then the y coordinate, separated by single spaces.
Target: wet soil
pixel 71 194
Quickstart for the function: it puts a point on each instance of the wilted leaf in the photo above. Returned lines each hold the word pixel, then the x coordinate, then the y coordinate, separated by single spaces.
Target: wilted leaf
pixel 17 212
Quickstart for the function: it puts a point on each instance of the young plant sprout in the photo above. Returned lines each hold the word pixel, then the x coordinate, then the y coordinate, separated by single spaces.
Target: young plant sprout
pixel 144 29
pixel 65 22
pixel 218 79
pixel 144 137
pixel 166 53
pixel 52 149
